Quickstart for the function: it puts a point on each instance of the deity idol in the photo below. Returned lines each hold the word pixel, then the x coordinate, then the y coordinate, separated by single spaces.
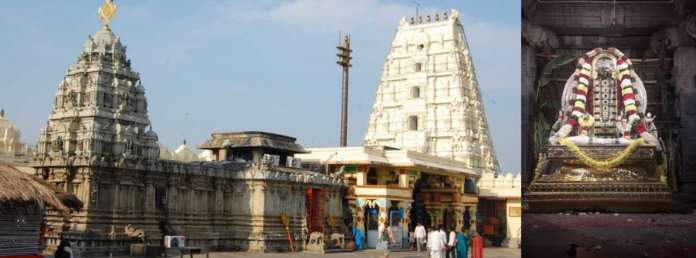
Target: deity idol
pixel 603 153
pixel 604 87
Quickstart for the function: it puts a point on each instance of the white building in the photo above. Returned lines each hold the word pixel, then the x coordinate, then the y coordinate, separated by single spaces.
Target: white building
pixel 10 145
pixel 500 208
pixel 428 99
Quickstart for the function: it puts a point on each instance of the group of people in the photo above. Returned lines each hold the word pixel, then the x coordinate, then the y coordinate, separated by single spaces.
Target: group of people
pixel 439 244
pixel 450 244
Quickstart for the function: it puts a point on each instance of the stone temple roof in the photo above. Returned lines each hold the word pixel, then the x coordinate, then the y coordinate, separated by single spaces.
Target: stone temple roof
pixel 253 139
pixel 7 127
pixel 104 42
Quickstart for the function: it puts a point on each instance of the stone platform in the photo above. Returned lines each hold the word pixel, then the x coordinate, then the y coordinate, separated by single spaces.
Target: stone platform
pixel 632 187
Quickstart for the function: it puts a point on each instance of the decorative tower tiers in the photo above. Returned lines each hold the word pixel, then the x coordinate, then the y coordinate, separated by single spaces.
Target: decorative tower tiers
pixel 100 110
pixel 428 99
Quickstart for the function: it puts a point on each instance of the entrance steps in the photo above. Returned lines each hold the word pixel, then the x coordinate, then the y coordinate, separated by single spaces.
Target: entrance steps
pixel 496 240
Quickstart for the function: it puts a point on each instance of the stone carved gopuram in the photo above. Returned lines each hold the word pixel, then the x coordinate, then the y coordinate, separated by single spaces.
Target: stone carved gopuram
pixel 428 99
pixel 97 145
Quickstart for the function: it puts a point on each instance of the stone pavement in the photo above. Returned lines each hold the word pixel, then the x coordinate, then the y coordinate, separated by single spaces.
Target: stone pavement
pixel 489 252
pixel 609 235
pixel 492 252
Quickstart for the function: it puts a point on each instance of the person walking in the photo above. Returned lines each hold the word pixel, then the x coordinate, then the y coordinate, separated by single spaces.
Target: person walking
pixel 436 243
pixel 411 238
pixel 477 246
pixel 463 240
pixel 451 246
pixel 441 230
pixel 386 239
pixel 420 236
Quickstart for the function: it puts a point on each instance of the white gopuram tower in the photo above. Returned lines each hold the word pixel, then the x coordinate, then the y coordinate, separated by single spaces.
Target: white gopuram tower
pixel 428 99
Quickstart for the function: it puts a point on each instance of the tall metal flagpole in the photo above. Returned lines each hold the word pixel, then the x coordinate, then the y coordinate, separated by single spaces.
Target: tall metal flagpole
pixel 344 61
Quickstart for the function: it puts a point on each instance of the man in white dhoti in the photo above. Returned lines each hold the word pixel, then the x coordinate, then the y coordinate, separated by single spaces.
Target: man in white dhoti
pixel 436 244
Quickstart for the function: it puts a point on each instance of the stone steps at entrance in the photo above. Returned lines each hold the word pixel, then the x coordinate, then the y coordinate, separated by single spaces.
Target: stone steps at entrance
pixel 496 240
pixel 330 251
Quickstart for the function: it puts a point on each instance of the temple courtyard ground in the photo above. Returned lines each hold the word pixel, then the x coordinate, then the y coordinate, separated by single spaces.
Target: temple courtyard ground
pixel 493 252
pixel 609 235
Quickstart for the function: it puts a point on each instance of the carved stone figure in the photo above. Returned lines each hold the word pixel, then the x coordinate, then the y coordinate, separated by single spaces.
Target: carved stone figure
pixel 125 98
pixel 130 147
pixel 57 144
pixel 134 232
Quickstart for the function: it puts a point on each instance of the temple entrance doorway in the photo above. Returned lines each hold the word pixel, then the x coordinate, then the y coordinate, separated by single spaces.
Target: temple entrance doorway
pixel 315 199
pixel 418 212
pixel 491 216
pixel 395 223
pixel 372 227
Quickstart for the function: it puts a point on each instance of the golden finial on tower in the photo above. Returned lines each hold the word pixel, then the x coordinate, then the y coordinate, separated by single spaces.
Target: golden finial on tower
pixel 412 21
pixel 2 113
pixel 107 12
pixel 437 17
pixel 445 16
pixel 420 20
pixel 428 18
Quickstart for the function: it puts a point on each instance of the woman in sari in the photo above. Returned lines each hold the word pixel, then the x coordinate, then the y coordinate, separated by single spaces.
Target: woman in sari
pixel 357 238
pixel 477 246
pixel 463 243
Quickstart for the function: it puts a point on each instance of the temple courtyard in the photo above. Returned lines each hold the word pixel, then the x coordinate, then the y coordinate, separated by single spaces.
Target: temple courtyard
pixel 609 235
pixel 491 252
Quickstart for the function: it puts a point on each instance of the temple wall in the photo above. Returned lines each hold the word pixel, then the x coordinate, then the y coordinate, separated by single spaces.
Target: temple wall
pixel 220 208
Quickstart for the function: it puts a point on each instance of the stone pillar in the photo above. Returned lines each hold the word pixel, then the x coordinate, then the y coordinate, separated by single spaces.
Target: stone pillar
pixel 403 180
pixel 116 197
pixel 458 218
pixel 472 215
pixel 259 199
pixel 359 218
pixel 382 175
pixel 222 155
pixel 528 86
pixel 88 182
pixel 383 217
pixel 361 178
pixel 406 220
pixel 173 195
pixel 219 196
pixel 150 201
pixel 684 80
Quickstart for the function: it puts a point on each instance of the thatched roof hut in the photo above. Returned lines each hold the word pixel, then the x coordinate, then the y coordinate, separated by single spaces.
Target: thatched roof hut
pixel 23 199
pixel 16 186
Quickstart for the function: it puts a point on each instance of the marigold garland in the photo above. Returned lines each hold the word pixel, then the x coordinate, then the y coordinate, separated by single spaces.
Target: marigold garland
pixel 537 171
pixel 608 163
pixel 661 169
pixel 586 124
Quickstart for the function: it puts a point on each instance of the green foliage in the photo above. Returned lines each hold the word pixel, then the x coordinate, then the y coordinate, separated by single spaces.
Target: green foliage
pixel 550 67
pixel 541 126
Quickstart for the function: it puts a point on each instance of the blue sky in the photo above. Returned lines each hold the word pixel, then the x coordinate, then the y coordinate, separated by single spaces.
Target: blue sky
pixel 217 66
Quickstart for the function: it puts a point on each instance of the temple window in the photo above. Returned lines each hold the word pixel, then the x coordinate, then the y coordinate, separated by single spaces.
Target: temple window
pixel 160 199
pixel 415 92
pixel 420 47
pixel 418 67
pixel 413 123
